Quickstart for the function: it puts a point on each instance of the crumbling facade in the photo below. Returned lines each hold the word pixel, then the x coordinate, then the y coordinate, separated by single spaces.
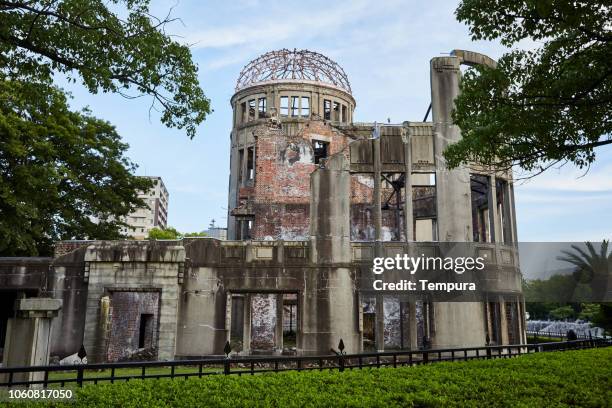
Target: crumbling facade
pixel 314 197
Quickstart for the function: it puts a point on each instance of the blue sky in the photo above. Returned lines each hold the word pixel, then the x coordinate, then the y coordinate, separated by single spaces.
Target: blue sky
pixel 384 47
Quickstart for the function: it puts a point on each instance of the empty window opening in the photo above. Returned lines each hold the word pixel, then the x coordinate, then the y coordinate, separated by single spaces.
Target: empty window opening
pixel 290 315
pixel 423 179
pixel 244 227
pixel 326 109
pixel 305 107
pixel 493 323
pixel 362 207
pixel 252 109
pixel 250 164
pixel 424 323
pixel 424 207
pixel 237 323
pixel 512 317
pixel 261 107
pixel 295 106
pixel 369 323
pixel 240 164
pixel 243 112
pixel 145 334
pixel 481 223
pixel 503 211
pixel 284 106
pixel 392 196
pixel 320 150
pixel 344 114
pixel 336 114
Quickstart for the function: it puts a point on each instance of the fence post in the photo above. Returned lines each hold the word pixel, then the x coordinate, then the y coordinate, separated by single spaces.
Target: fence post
pixel 341 362
pixel 226 363
pixel 80 376
pixel 488 353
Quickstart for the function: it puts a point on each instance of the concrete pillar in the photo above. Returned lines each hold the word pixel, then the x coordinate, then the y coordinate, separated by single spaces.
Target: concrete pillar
pixel 329 309
pixel 28 336
pixel 452 186
pixel 408 216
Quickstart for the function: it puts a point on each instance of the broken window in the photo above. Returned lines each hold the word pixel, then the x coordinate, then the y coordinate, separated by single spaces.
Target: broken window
pixel 295 106
pixel 344 114
pixel 336 113
pixel 261 107
pixel 392 199
pixel 479 186
pixel 305 107
pixel 284 106
pixel 252 109
pixel 320 150
pixel 243 112
pixel 250 170
pixel 424 206
pixel 145 331
pixel 326 109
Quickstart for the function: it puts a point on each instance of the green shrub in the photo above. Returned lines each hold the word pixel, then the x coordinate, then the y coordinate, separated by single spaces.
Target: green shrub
pixel 560 379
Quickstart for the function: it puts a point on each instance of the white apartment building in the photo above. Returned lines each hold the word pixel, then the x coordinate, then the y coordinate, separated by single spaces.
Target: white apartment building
pixel 155 214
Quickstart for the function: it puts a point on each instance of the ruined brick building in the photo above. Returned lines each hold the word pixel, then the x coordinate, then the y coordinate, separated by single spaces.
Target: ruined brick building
pixel 313 197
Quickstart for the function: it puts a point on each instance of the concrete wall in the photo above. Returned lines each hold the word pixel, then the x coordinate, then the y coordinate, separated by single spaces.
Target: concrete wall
pixel 132 266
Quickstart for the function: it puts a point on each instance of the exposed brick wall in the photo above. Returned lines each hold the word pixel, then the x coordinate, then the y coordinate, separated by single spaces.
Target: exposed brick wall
pixel 281 195
pixel 61 248
pixel 126 310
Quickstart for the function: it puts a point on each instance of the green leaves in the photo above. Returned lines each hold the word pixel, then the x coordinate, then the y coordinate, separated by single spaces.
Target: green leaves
pixel 117 47
pixel 539 107
pixel 563 379
pixel 63 174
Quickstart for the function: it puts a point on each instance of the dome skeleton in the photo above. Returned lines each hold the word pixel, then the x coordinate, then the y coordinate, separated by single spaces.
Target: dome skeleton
pixel 294 65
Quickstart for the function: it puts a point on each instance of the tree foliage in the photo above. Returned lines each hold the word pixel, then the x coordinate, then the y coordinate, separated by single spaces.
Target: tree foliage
pixel 172 233
pixel 541 106
pixel 111 46
pixel 63 174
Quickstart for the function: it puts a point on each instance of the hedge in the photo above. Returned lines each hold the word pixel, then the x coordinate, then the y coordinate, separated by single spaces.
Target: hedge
pixel 556 379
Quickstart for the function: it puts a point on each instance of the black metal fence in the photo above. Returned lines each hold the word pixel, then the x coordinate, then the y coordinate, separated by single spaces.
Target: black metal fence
pixel 62 375
pixel 559 335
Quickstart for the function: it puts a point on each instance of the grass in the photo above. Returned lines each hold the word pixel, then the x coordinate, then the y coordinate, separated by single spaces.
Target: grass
pixel 61 375
pixel 558 379
pixel 532 339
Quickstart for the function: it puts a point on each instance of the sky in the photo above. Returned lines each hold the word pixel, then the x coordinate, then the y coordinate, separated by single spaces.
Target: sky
pixel 383 46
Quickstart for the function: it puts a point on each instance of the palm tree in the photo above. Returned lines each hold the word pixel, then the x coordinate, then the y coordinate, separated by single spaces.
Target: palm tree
pixel 593 268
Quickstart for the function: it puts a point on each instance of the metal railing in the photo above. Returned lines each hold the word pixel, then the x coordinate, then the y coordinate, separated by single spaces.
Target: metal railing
pixel 560 335
pixel 96 373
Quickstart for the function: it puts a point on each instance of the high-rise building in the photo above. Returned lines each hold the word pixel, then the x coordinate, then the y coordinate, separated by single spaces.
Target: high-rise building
pixel 155 214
